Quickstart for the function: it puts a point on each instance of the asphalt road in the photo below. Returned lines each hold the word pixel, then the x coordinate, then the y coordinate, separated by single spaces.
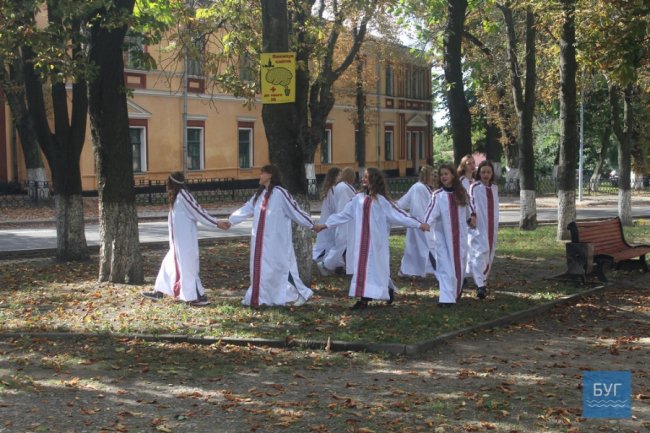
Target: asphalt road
pixel 23 240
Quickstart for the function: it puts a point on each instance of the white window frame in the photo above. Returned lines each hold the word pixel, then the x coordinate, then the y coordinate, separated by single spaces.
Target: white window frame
pixel 328 144
pixel 143 147
pixel 250 146
pixel 201 148
pixel 391 133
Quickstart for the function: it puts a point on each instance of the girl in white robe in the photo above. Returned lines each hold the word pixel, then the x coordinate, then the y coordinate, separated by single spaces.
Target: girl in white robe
pixel 484 196
pixel 273 267
pixel 342 253
pixel 179 273
pixel 465 171
pixel 449 215
pixel 418 246
pixel 372 215
pixel 325 239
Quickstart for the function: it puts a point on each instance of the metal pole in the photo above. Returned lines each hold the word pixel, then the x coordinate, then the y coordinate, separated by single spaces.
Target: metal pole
pixel 582 143
pixel 184 126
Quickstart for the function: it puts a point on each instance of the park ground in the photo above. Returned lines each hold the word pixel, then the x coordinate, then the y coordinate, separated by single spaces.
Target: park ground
pixel 523 378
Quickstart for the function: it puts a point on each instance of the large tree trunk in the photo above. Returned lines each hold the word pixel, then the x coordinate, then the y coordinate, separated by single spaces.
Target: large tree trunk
pixel 62 149
pixel 120 259
pixel 360 137
pixel 283 126
pixel 594 182
pixel 524 102
pixel 459 117
pixel 623 135
pixel 566 181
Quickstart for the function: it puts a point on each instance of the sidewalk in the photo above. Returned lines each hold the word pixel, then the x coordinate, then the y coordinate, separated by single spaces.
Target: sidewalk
pixel 45 216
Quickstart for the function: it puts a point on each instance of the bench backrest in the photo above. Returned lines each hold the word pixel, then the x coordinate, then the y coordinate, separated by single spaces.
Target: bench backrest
pixel 606 235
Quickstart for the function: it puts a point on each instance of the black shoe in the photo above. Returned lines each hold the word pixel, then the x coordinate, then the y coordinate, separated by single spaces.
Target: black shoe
pixel 481 292
pixel 155 296
pixel 391 297
pixel 445 305
pixel 361 304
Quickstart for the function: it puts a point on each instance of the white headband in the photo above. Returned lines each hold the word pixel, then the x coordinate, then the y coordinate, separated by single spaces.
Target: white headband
pixel 173 179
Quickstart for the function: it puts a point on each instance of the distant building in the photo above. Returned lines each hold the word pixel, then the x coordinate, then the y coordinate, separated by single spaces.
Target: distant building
pixel 226 140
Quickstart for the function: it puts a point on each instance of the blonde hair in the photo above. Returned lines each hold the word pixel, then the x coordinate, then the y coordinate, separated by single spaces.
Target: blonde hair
pixel 347 175
pixel 463 164
pixel 425 173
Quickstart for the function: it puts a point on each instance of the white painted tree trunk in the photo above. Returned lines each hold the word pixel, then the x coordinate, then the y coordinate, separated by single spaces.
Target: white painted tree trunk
pixel 36 178
pixel 302 244
pixel 119 259
pixel 566 213
pixel 528 210
pixel 625 206
pixel 512 181
pixel 70 235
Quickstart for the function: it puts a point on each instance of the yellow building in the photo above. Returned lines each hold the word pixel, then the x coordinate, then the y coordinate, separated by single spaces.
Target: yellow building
pixel 224 139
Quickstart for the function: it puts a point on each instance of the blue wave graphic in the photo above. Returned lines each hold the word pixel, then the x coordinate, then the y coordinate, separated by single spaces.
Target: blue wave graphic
pixel 608 403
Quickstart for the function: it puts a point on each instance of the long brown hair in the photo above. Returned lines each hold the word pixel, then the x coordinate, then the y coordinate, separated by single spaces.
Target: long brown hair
pixel 463 164
pixel 276 179
pixel 376 183
pixel 175 183
pixel 329 181
pixel 425 174
pixel 457 188
pixel 484 163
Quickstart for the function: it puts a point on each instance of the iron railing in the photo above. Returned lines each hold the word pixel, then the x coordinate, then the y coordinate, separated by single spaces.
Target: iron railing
pixel 215 190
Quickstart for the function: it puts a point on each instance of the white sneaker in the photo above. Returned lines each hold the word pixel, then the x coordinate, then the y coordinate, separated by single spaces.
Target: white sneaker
pixel 322 269
pixel 300 301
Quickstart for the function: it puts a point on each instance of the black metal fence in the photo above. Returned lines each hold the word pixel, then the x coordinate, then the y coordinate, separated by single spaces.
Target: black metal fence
pixel 215 190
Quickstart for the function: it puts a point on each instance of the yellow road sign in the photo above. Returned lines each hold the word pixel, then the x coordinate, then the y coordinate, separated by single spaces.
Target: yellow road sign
pixel 278 78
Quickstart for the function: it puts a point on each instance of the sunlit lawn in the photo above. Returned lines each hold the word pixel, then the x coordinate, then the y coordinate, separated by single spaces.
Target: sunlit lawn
pixel 41 295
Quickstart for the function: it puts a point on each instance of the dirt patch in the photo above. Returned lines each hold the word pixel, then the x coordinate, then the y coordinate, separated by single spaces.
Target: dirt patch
pixel 524 378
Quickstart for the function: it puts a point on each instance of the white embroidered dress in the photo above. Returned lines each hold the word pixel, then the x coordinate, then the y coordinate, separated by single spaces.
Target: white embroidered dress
pixel 372 220
pixel 273 267
pixel 483 239
pixel 418 244
pixel 325 239
pixel 448 221
pixel 344 234
pixel 179 272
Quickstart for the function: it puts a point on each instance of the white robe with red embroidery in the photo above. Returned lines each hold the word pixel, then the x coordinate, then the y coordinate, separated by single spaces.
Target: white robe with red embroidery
pixel 483 239
pixel 372 220
pixel 418 244
pixel 344 234
pixel 448 221
pixel 273 267
pixel 325 239
pixel 179 272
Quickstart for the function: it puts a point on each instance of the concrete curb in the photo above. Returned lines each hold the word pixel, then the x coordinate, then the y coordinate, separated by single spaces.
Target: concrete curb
pixel 335 346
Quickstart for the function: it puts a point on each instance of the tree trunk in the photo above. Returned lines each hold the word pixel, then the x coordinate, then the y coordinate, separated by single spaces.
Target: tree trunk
pixel 524 101
pixel 568 123
pixel 283 126
pixel 623 134
pixel 459 117
pixel 594 182
pixel 120 259
pixel 62 149
pixel 360 137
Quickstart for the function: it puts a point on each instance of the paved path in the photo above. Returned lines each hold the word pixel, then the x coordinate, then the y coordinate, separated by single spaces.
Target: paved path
pixel 21 240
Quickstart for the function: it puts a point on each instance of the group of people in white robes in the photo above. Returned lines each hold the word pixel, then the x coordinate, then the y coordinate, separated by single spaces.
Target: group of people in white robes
pixel 352 235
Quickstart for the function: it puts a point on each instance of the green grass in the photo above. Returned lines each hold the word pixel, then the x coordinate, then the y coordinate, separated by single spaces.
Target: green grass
pixel 41 295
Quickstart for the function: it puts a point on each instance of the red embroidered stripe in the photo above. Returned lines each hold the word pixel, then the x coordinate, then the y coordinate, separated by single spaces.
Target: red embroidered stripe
pixel 257 259
pixel 176 287
pixel 195 205
pixel 455 240
pixel 293 204
pixel 362 264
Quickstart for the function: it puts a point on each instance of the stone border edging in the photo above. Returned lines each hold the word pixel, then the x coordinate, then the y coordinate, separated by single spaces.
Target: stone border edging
pixel 335 346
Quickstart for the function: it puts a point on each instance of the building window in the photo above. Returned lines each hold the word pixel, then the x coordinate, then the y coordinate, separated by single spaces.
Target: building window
pixel 194 148
pixel 326 147
pixel 388 143
pixel 389 80
pixel 420 145
pixel 409 146
pixel 137 137
pixel 134 52
pixel 195 57
pixel 245 134
pixel 247 70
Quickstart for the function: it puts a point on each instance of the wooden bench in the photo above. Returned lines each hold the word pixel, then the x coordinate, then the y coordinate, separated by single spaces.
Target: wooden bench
pixel 609 245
